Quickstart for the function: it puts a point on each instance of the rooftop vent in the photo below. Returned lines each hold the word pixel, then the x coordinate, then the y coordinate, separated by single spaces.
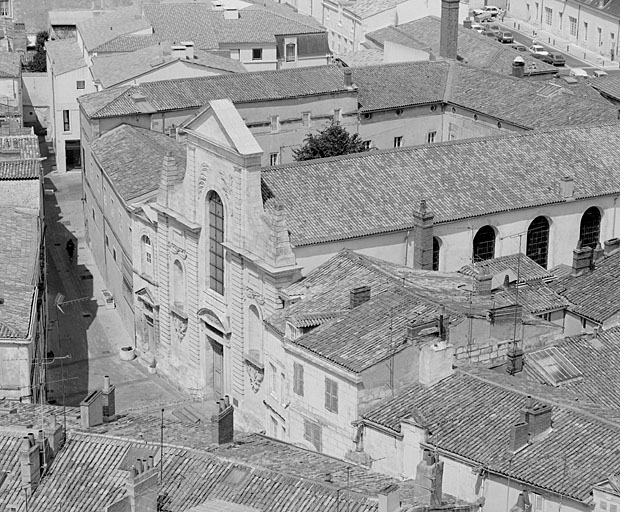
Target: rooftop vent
pixel 359 295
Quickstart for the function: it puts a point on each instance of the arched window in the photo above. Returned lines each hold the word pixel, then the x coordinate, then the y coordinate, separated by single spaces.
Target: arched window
pixel 178 285
pixel 538 241
pixel 436 248
pixel 216 238
pixel 147 256
pixel 590 228
pixel 255 334
pixel 484 244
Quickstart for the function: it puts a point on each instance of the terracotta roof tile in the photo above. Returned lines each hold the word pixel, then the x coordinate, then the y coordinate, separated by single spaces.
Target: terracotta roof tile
pixel 10 64
pixel 535 298
pixel 127 43
pixel 20 169
pixel 527 269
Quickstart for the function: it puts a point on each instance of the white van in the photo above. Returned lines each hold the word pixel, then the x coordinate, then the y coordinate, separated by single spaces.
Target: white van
pixel 579 73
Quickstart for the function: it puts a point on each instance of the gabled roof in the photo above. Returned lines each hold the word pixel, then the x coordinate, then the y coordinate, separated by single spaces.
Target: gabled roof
pixel 20 169
pixel 475 49
pixel 190 93
pixel 470 414
pixel 595 294
pixel 535 298
pixel 369 193
pixel 132 158
pixel 65 55
pixel 607 85
pixel 108 26
pixel 10 64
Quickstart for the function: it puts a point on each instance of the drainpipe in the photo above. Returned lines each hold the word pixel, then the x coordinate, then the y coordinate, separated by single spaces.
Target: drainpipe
pixel 409 232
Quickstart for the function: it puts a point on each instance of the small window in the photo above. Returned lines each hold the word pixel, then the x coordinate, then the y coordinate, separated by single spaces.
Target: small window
pixel 585 30
pixel 603 505
pixel 298 379
pixel 430 137
pixel 291 52
pixel 613 508
pixel 537 501
pixel 367 144
pixel 399 111
pixel 80 84
pixel 274 124
pixel 66 121
pixel 257 54
pixel 313 434
pixel 331 395
pixel 282 388
pixel 546 316
pixel 584 323
pixel 305 119
pixel 398 142
pixel 274 158
pixel 273 380
pixel 107 242
pixel 338 115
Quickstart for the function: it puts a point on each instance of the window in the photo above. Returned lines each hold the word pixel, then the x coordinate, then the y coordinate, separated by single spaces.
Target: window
pixel 560 20
pixel 274 428
pixel 107 241
pixel 80 84
pixel 257 54
pixel 436 247
pixel 147 256
pixel 298 379
pixel 273 380
pixel 367 144
pixel 585 31
pixel 274 122
pixel 398 142
pixel 282 387
pixel 603 505
pixel 338 115
pixel 572 25
pixel 114 253
pixel 430 137
pixel 216 238
pixel 178 285
pixel 274 158
pixel 291 52
pixel 538 504
pixel 589 230
pixel 331 395
pixel 613 508
pixel 538 241
pixel 484 244
pixel 65 121
pixel 548 16
pixel 255 334
pixel 546 316
pixel 312 433
pixel 5 8
pixel 234 54
pixel 599 31
pixel 584 323
pixel 305 119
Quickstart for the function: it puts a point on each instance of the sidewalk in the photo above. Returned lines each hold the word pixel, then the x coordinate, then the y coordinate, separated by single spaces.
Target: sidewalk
pixel 588 57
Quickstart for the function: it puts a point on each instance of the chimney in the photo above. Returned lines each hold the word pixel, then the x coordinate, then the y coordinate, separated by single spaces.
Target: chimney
pixel 449 30
pixel 168 178
pixel 108 400
pixel 567 188
pixel 389 498
pixel 428 480
pixel 582 258
pixel 483 282
pixel 598 254
pixel 537 417
pixel 142 486
pixel 30 463
pixel 518 67
pixel 423 238
pixel 611 246
pixel 348 77
pixel 441 325
pixel 231 14
pixel 57 437
pixel 359 295
pixel 435 362
pixel 467 23
pixel 514 363
pixel 222 423
pixel 519 436
pixel 189 49
pixel 91 410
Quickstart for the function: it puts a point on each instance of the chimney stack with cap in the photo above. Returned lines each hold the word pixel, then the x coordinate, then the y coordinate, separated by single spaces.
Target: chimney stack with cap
pixel 348 77
pixel 359 295
pixel 222 422
pixel 109 400
pixel 611 246
pixel 142 486
pixel 389 498
pixel 484 281
pixel 449 30
pixel 518 67
pixel 30 463
pixel 582 259
pixel 423 238
pixel 429 480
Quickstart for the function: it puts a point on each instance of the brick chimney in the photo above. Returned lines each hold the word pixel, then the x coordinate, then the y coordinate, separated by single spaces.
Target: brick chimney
pixel 611 246
pixel 57 436
pixel 423 238
pixel 429 480
pixel 519 436
pixel 222 422
pixel 142 486
pixel 30 463
pixel 582 259
pixel 483 283
pixel 537 417
pixel 169 177
pixel 389 498
pixel 108 400
pixel 518 67
pixel 359 295
pixel 435 362
pixel 348 77
pixel 514 362
pixel 449 31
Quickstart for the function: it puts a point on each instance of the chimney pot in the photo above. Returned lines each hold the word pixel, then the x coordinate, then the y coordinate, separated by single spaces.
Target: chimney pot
pixel 582 258
pixel 518 67
pixel 348 77
pixel 222 424
pixel 359 295
pixel 106 383
pixel 226 401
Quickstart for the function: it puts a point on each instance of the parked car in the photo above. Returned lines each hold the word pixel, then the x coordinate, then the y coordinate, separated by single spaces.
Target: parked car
pixel 477 27
pixel 598 73
pixel 556 59
pixel 578 73
pixel 519 47
pixel 538 51
pixel 504 36
pixel 485 17
pixel 487 9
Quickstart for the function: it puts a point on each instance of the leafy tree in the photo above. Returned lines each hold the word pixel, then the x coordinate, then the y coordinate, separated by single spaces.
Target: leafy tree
pixel 38 63
pixel 332 140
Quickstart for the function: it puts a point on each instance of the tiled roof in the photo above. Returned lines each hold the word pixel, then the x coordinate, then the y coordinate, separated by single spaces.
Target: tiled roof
pixel 611 7
pixel 19 259
pixel 239 88
pixel 65 55
pixel 476 50
pixel 10 64
pixel 127 43
pixel 535 298
pixel 108 26
pixel 595 357
pixel 20 169
pixel 360 58
pixel 607 85
pixel 471 415
pixel 284 9
pixel 367 8
pixel 208 28
pixel 132 158
pixel 368 193
pixel 595 294
pixel 526 268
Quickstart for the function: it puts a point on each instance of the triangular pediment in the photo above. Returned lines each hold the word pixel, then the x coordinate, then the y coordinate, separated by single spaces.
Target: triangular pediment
pixel 220 122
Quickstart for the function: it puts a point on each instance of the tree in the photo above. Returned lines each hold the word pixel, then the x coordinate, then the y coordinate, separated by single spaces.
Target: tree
pixel 332 140
pixel 38 64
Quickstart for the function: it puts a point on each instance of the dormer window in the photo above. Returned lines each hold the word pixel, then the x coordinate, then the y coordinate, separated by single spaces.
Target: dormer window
pixel 292 332
pixel 257 54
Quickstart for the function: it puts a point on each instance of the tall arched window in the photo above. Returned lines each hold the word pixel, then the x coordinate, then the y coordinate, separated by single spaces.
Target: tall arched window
pixel 484 244
pixel 590 228
pixel 255 334
pixel 538 241
pixel 216 238
pixel 436 248
pixel 178 285
pixel 147 256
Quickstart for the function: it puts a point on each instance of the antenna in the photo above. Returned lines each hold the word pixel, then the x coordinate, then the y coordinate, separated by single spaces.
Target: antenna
pixel 161 451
